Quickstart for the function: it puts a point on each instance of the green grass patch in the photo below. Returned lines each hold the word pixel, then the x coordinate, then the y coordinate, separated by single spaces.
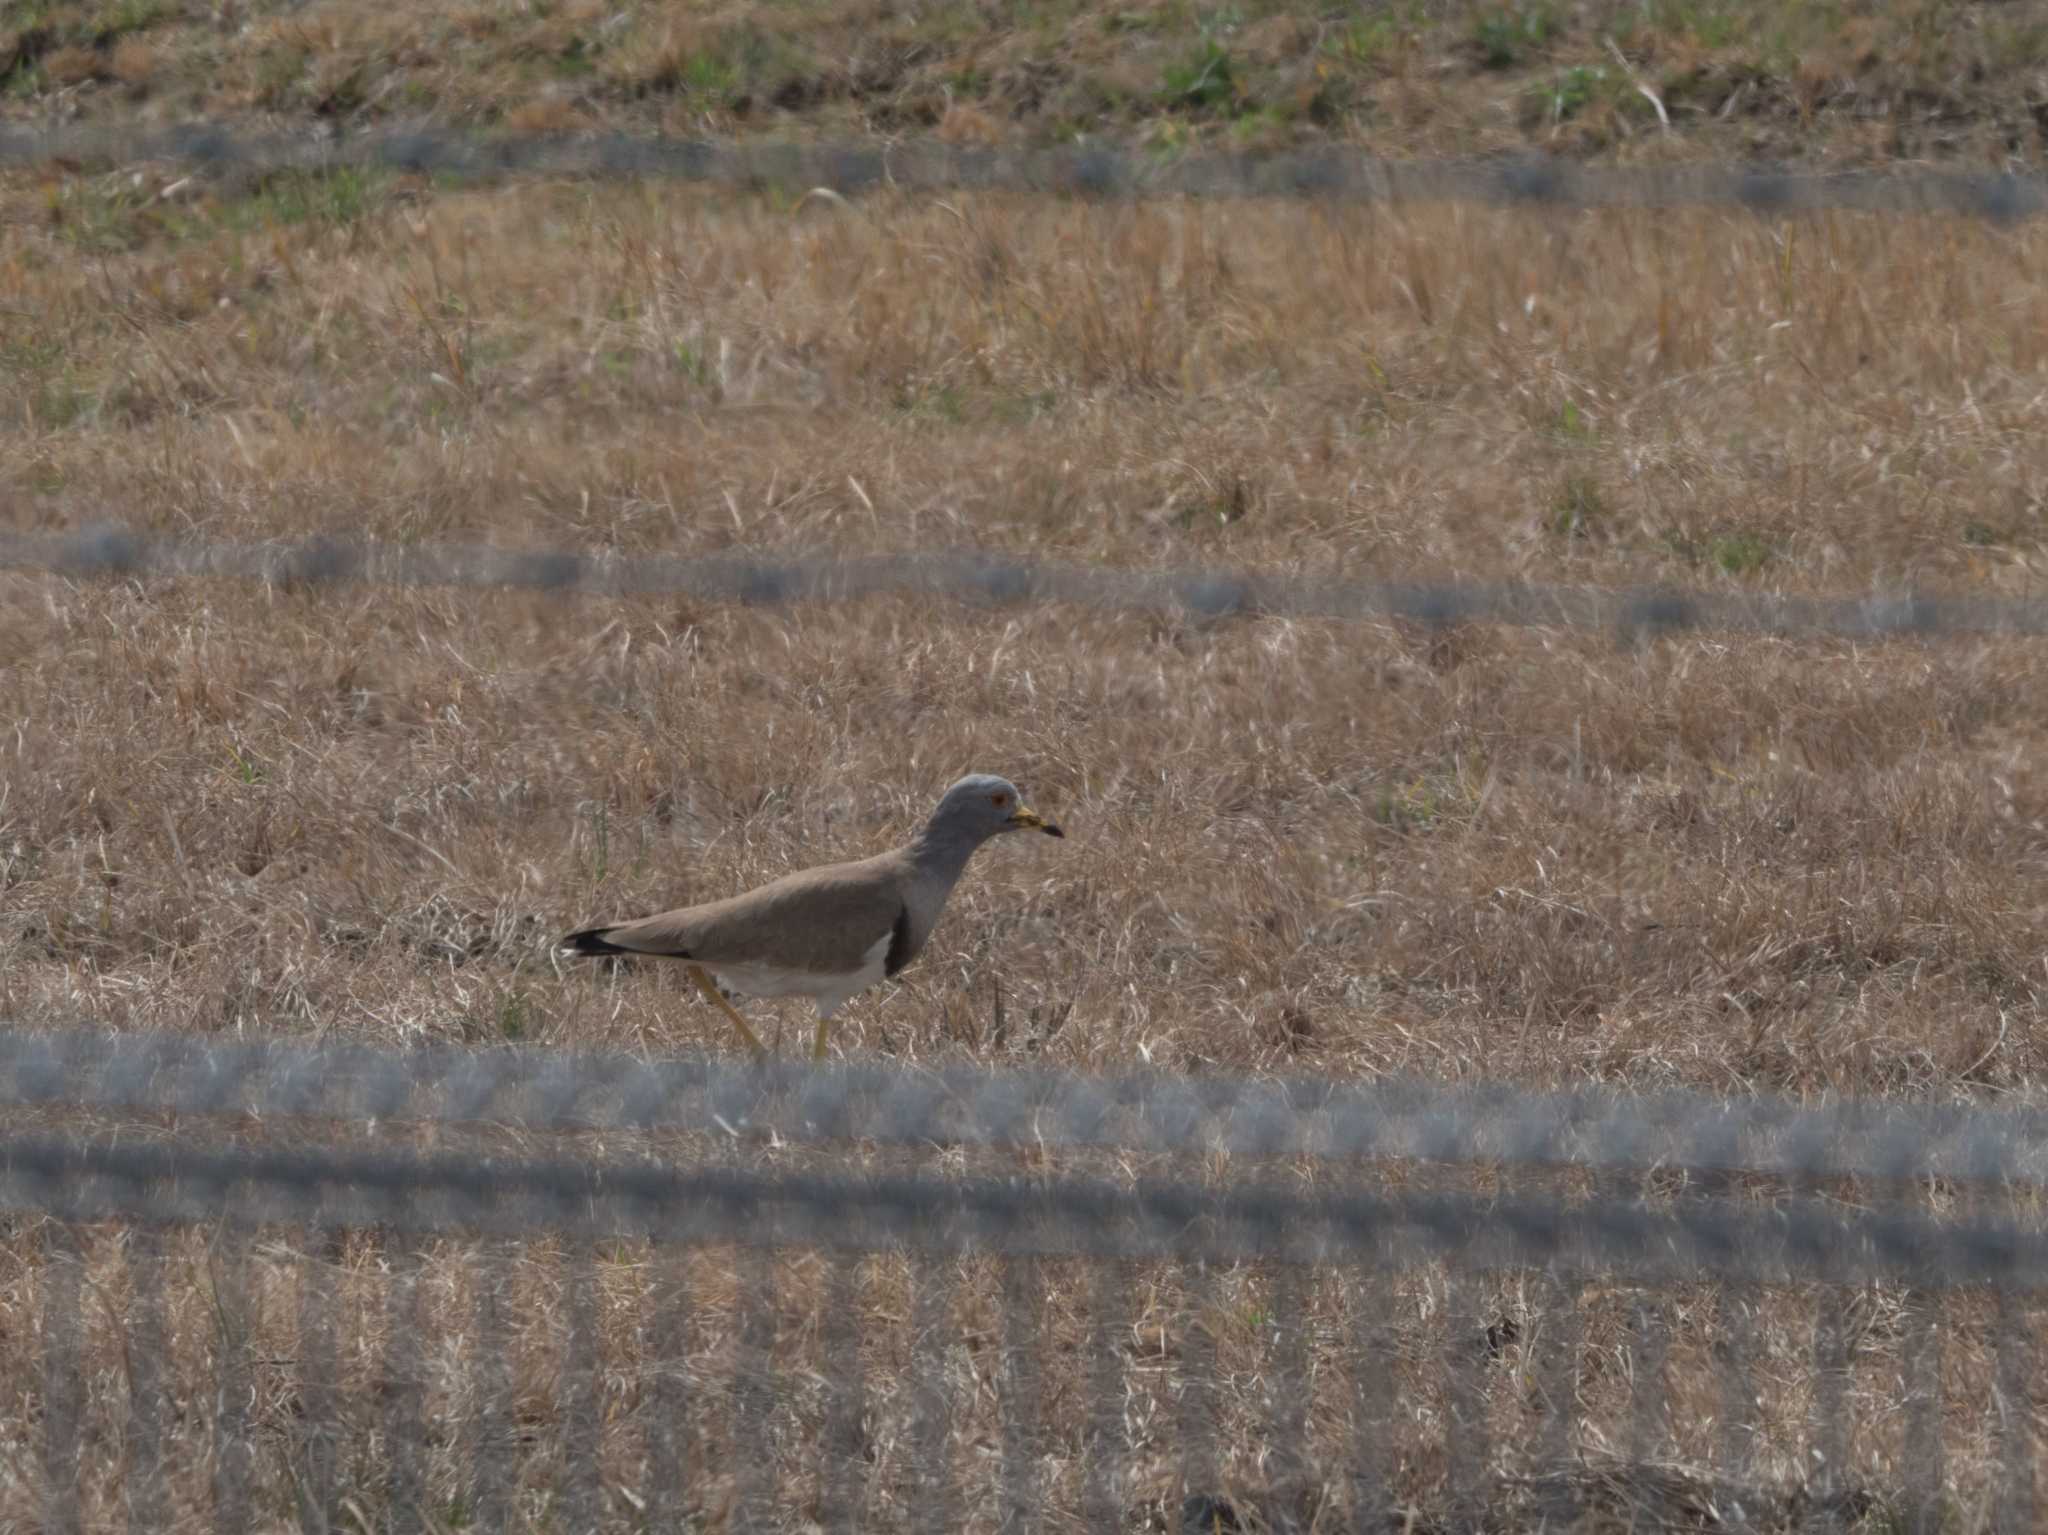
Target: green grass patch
pixel 101 217
pixel 1505 36
pixel 692 362
pixel 950 25
pixel 1578 508
pixel 1573 90
pixel 60 403
pixel 30 354
pixel 1572 427
pixel 1733 552
pixel 515 1023
pixel 1203 81
pixel 1118 22
pixel 710 74
pixel 125 16
pixel 741 62
pixel 341 197
pixel 941 402
pixel 1738 554
pixel 2017 43
pixel 27 80
pixel 1421 803
pixel 278 72
pixel 1372 42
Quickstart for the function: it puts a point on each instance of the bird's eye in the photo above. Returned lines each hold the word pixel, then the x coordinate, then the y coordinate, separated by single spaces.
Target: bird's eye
pixel 999 800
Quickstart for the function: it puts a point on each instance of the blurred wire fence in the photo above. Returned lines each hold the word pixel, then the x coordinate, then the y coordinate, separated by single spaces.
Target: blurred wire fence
pixel 1633 614
pixel 1405 1119
pixel 926 165
pixel 285 1286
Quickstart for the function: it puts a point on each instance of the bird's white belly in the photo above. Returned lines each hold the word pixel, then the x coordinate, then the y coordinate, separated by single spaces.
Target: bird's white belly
pixel 829 989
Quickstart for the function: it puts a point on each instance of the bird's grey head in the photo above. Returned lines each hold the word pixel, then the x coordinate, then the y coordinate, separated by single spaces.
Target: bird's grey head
pixel 981 806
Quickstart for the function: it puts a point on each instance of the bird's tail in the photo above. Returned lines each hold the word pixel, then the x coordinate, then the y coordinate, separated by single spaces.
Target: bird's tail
pixel 590 941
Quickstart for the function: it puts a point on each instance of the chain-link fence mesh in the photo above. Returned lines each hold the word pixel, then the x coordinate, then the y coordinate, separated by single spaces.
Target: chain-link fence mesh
pixel 319 1287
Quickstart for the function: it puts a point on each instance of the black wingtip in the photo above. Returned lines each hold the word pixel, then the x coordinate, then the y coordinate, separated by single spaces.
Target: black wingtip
pixel 590 941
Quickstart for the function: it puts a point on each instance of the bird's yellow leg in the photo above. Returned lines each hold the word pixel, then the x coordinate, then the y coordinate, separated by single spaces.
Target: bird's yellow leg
pixel 705 985
pixel 818 1040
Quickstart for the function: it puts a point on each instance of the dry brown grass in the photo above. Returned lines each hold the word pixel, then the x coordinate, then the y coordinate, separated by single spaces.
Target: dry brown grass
pixel 1345 849
pixel 499 1405
pixel 1861 82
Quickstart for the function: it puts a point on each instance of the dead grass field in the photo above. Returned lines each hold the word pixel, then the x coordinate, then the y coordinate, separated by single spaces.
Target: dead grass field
pixel 1844 81
pixel 1733 863
pixel 497 1403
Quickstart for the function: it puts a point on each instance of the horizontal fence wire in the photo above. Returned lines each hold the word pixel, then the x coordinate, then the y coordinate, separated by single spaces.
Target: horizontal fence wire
pixel 1396 1119
pixel 1631 613
pixel 1798 1241
pixel 1328 173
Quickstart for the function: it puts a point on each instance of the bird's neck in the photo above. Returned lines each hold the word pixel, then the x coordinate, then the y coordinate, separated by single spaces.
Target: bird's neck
pixel 941 858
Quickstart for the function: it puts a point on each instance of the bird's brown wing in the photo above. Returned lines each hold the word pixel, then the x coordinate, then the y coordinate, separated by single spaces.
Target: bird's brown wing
pixel 823 921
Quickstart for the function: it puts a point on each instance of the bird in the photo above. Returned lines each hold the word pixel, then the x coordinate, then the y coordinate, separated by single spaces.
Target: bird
pixel 829 932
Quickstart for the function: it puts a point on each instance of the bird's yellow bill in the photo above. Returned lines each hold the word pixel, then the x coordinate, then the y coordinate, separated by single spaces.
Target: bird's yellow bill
pixel 1030 820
